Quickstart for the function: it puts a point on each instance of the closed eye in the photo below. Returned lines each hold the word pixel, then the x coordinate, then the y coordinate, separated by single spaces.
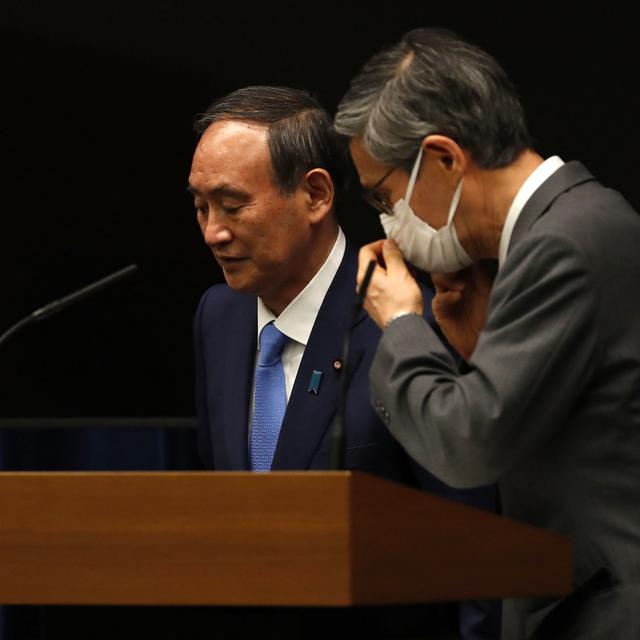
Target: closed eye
pixel 231 209
pixel 201 209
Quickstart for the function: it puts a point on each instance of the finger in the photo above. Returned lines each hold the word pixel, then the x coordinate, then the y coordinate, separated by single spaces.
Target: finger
pixel 447 281
pixel 446 305
pixel 440 282
pixel 448 298
pixel 392 256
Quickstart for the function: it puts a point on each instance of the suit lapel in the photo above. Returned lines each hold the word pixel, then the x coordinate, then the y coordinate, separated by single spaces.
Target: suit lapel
pixel 309 414
pixel 566 177
pixel 236 378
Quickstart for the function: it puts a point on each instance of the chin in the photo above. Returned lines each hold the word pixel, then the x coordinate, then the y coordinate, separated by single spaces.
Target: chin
pixel 243 285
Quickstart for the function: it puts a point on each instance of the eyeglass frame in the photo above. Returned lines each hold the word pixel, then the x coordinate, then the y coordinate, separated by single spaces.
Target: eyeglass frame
pixel 373 199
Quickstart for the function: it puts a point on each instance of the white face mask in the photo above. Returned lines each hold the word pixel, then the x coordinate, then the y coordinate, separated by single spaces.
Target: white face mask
pixel 423 246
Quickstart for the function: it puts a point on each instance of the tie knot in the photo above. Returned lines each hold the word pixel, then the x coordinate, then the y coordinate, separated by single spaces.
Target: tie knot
pixel 272 343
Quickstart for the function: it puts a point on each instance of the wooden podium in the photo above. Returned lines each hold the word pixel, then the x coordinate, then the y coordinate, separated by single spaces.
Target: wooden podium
pixel 280 538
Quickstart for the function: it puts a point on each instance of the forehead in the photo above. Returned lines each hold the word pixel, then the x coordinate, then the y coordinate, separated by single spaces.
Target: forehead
pixel 232 152
pixel 369 170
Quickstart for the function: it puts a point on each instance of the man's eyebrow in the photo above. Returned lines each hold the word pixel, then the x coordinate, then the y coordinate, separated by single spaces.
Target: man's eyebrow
pixel 222 189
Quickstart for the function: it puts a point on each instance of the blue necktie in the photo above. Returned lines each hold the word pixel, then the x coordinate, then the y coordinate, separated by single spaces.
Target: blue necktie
pixel 270 398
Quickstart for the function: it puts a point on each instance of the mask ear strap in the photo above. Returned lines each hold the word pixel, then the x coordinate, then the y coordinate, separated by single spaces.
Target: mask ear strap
pixel 413 177
pixel 454 202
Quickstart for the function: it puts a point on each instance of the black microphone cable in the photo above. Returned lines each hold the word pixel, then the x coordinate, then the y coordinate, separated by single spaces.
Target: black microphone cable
pixel 336 454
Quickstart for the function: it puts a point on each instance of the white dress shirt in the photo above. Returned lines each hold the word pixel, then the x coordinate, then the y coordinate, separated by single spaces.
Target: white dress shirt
pixel 541 173
pixel 298 318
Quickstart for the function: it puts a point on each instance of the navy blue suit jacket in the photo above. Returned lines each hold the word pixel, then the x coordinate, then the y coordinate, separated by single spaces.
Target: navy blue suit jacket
pixel 225 331
pixel 225 334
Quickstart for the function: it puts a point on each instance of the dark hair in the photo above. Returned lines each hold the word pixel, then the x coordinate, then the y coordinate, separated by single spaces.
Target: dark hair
pixel 433 81
pixel 300 132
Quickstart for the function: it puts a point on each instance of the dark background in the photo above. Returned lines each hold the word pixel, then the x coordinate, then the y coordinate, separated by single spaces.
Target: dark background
pixel 96 110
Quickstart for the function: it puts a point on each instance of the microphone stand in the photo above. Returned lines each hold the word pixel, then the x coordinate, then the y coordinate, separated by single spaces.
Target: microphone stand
pixel 61 303
pixel 336 454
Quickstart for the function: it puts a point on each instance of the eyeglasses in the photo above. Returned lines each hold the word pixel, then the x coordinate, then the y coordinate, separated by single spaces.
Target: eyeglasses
pixel 377 201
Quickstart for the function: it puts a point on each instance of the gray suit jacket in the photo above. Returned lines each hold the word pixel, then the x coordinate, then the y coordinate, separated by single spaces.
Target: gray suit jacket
pixel 550 408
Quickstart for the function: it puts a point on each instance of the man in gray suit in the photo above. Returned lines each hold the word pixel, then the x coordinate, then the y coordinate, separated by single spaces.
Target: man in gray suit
pixel 548 405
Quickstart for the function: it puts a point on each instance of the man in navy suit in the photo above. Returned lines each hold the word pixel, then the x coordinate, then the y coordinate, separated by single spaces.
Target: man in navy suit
pixel 265 177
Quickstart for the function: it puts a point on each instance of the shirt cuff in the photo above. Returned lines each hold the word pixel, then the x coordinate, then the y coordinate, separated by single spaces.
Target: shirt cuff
pixel 400 314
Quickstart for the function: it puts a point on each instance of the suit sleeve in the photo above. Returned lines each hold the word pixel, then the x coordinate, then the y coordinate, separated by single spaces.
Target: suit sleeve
pixel 205 444
pixel 533 359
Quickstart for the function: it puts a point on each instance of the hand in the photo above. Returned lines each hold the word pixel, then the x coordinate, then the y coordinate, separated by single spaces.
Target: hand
pixel 460 305
pixel 392 288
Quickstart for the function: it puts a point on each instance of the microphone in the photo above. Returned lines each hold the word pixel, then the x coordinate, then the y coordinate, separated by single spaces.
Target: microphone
pixel 61 303
pixel 336 454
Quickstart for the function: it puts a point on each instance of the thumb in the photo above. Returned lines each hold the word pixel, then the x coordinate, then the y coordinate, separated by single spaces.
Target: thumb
pixel 447 282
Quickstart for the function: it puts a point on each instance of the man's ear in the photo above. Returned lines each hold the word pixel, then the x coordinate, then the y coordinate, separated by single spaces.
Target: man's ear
pixel 320 193
pixel 447 154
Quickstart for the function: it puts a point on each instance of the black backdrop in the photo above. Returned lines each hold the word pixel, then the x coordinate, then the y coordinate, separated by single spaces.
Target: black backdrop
pixel 98 100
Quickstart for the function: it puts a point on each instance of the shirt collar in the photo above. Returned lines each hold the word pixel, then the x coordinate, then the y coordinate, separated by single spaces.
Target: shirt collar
pixel 541 173
pixel 296 320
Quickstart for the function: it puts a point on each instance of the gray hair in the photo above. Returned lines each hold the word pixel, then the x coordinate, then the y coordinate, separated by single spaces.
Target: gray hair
pixel 432 81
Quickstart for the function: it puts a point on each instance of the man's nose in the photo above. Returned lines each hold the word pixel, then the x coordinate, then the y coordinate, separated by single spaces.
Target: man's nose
pixel 215 232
